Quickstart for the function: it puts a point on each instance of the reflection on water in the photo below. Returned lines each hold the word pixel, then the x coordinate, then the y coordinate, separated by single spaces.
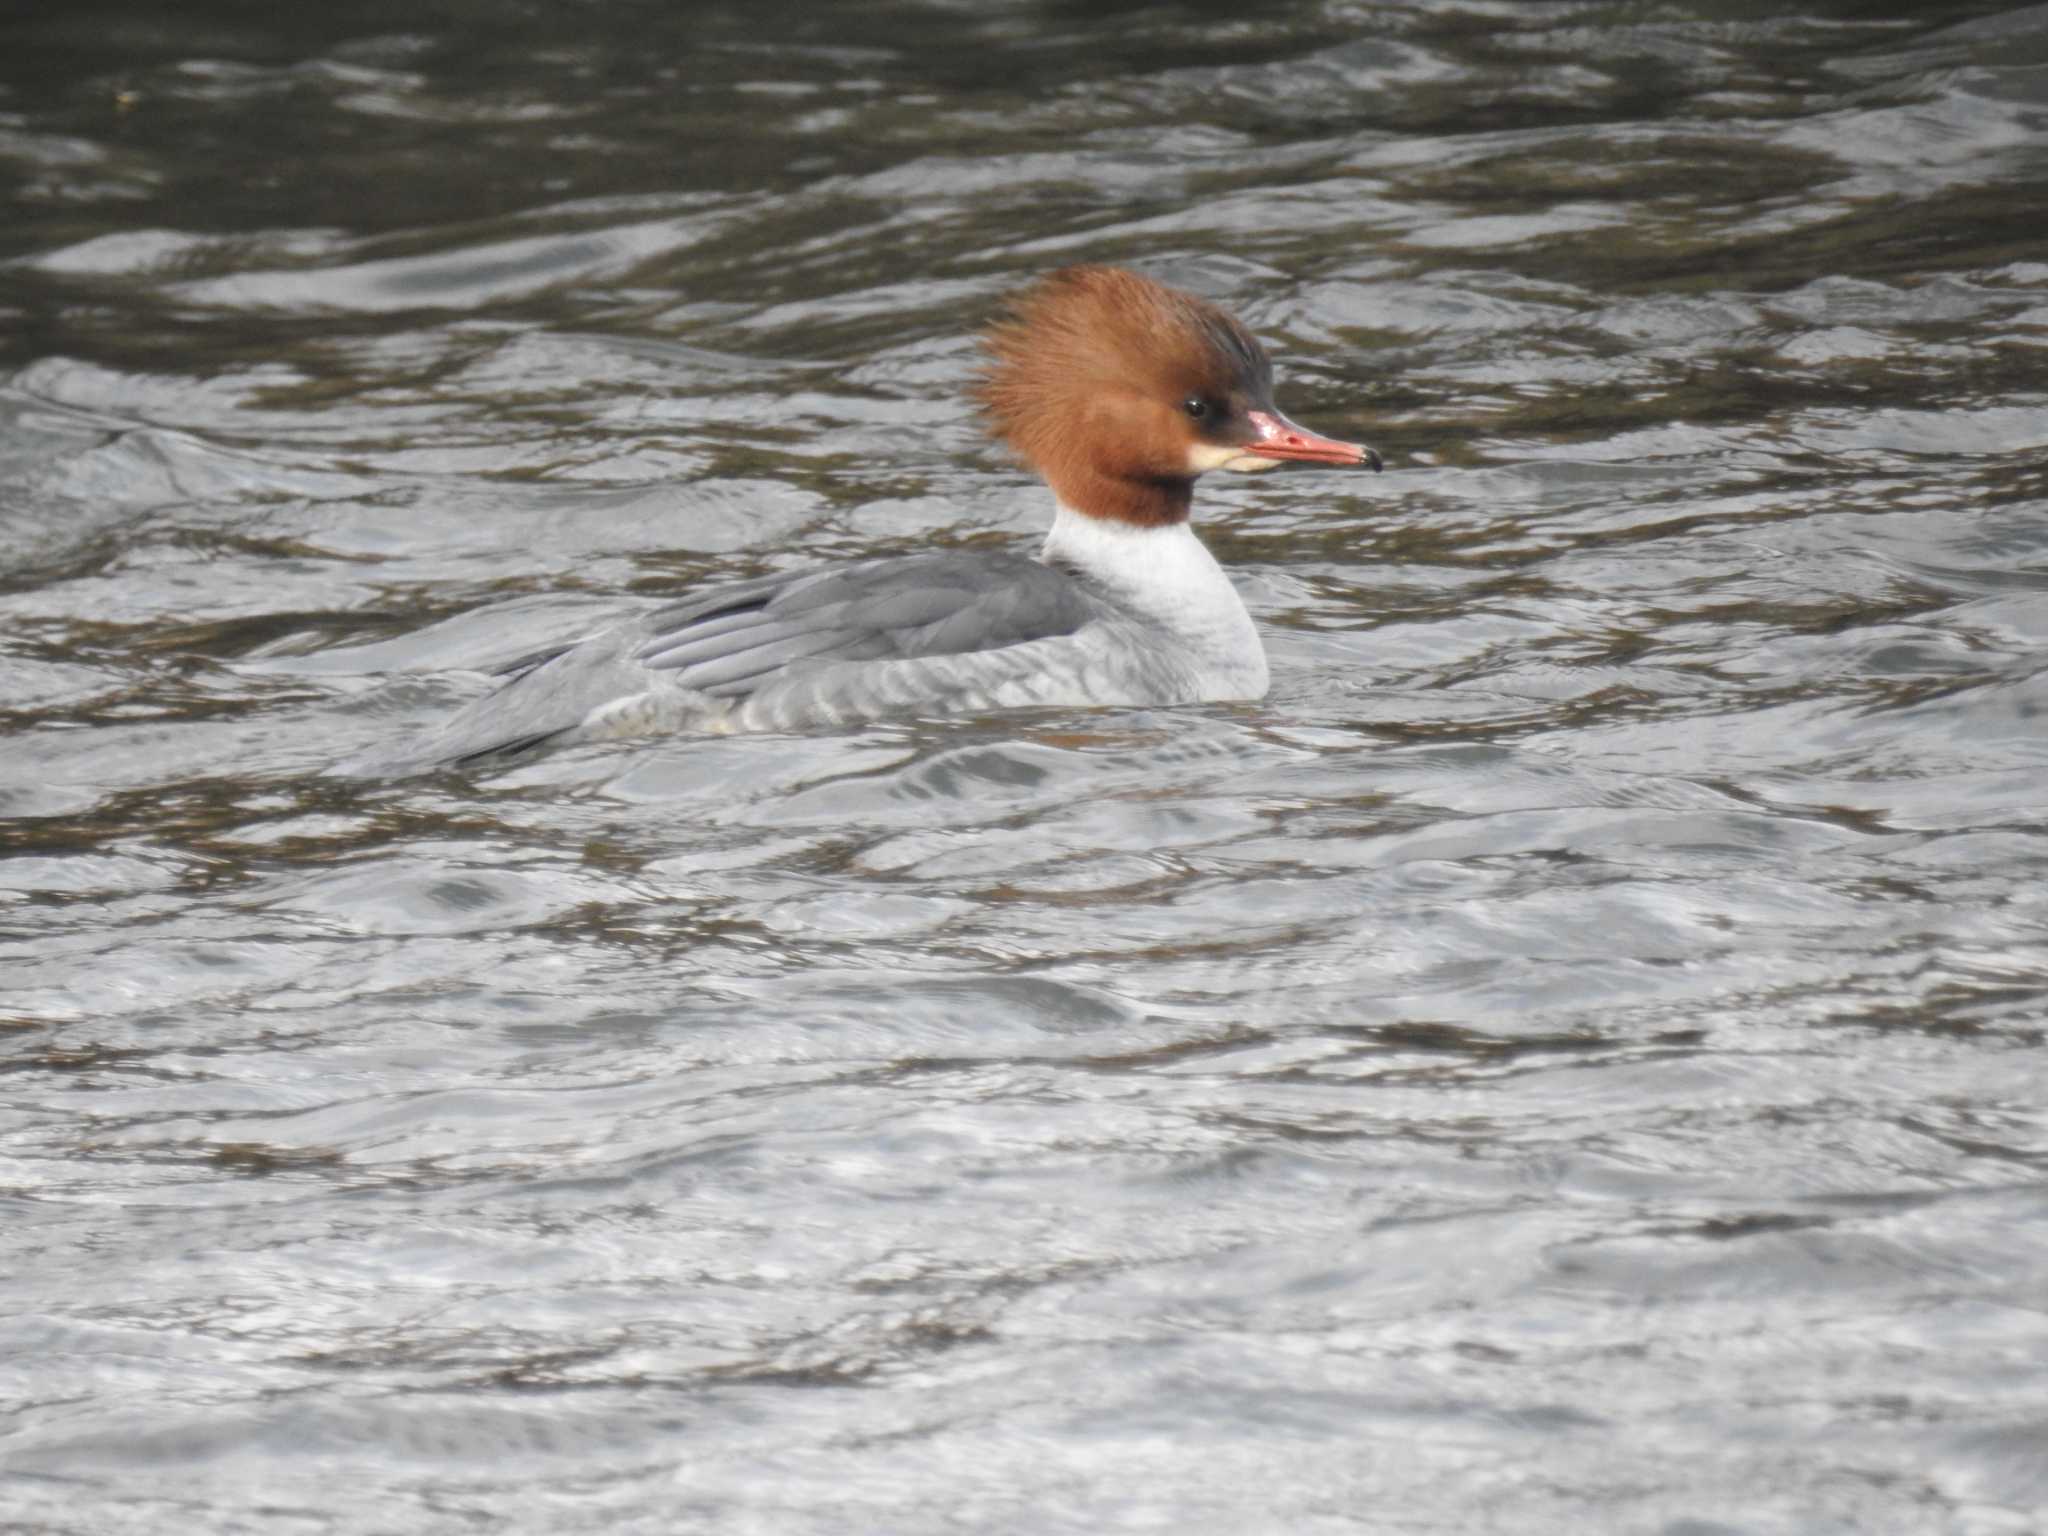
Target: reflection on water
pixel 1570 1058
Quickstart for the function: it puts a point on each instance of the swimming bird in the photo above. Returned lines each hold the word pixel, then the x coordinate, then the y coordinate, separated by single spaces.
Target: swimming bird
pixel 1121 393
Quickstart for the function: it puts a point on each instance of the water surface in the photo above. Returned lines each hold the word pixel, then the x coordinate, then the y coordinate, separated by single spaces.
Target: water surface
pixel 1570 1059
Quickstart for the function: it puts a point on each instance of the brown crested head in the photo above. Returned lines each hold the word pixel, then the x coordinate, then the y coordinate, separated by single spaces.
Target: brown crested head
pixel 1120 391
pixel 1092 379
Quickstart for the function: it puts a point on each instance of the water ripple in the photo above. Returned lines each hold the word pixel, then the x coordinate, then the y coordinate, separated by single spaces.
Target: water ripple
pixel 1568 1056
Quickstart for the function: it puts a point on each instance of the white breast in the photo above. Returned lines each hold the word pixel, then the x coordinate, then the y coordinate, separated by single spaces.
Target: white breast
pixel 1166 579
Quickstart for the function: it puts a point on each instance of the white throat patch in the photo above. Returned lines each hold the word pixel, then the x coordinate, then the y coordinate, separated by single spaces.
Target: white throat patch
pixel 1203 457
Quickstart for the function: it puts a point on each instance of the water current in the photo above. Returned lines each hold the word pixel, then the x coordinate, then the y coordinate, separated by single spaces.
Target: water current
pixel 1571 1059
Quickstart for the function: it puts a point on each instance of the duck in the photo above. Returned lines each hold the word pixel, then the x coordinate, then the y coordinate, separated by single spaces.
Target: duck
pixel 1121 393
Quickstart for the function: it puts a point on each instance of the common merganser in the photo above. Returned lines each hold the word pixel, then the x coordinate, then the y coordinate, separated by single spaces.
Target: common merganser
pixel 1120 392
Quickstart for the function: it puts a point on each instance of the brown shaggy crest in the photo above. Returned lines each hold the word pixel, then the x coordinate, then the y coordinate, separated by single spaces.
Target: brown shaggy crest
pixel 1088 378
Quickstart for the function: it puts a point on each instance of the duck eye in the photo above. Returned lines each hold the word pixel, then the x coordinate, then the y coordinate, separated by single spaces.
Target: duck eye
pixel 1196 407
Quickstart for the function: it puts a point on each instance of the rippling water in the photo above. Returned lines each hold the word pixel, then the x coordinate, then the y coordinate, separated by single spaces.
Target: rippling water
pixel 1570 1059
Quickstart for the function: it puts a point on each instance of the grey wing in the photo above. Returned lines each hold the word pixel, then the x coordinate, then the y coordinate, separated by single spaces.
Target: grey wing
pixel 730 597
pixel 730 640
pixel 728 643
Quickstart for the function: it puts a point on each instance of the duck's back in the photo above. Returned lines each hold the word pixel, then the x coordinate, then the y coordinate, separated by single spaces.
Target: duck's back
pixel 778 652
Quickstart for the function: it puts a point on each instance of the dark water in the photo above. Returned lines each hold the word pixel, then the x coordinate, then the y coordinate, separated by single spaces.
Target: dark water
pixel 1570 1060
